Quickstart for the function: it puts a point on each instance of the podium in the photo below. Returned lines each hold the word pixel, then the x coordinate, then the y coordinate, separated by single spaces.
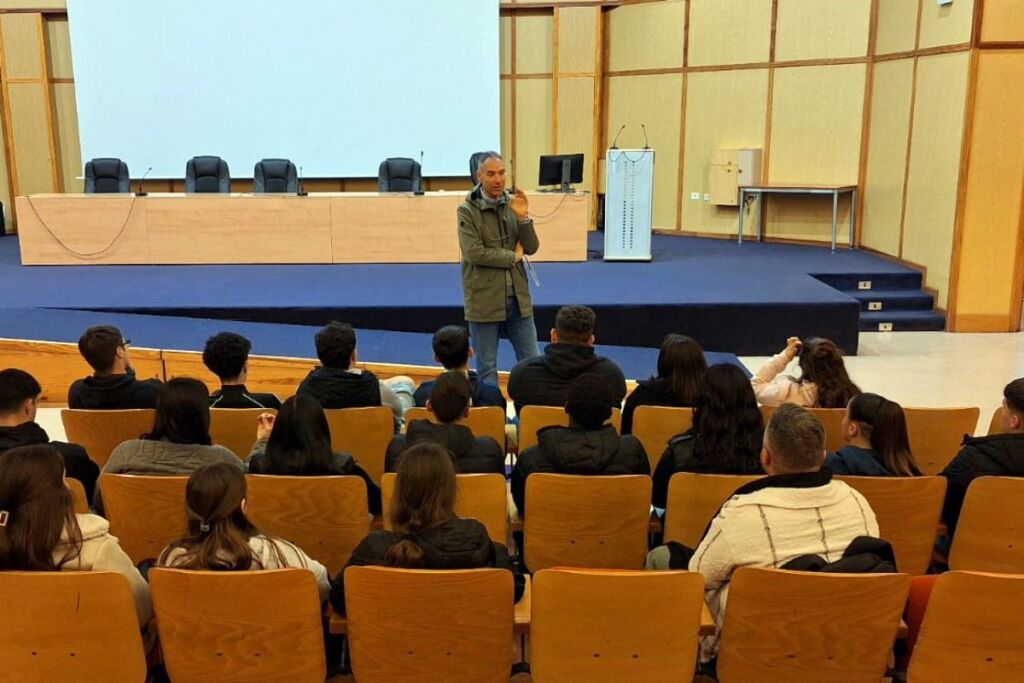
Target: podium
pixel 628 202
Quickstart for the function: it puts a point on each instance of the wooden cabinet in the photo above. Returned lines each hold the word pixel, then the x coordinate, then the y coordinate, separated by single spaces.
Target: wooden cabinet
pixel 729 169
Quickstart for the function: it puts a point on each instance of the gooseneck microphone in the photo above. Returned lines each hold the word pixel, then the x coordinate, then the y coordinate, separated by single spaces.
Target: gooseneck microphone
pixel 419 191
pixel 644 129
pixel 302 190
pixel 615 141
pixel 142 193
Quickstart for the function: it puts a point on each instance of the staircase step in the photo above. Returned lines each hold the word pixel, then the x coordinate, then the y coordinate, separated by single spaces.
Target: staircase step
pixel 903 321
pixel 893 300
pixel 885 281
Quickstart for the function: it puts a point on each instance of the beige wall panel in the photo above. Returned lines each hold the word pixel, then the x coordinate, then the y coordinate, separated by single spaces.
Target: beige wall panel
pixel 729 31
pixel 897 26
pixel 724 110
pixel 577 34
pixel 58 43
pixel 32 157
pixel 1003 20
pixel 533 128
pixel 946 25
pixel 69 149
pixel 533 43
pixel 576 123
pixel 887 155
pixel 5 181
pixel 822 29
pixel 505 43
pixel 33 4
pixel 646 36
pixel 935 166
pixel 654 101
pixel 21 45
pixel 506 118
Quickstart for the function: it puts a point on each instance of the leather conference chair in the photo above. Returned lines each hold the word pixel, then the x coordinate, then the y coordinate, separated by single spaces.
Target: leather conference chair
pixel 474 164
pixel 399 174
pixel 207 174
pixel 106 175
pixel 275 175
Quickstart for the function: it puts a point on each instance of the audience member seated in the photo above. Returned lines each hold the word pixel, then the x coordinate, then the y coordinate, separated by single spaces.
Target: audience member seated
pixel 823 381
pixel 427 534
pixel 725 437
pixel 221 538
pixel 681 366
pixel 875 431
pixel 587 446
pixel 19 400
pixel 452 350
pixel 544 380
pixel 297 443
pixel 39 530
pixel 449 401
pixel 226 354
pixel 338 384
pixel 113 385
pixel 1000 455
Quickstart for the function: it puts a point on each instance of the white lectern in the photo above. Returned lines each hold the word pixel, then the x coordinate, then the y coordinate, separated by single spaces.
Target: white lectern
pixel 628 199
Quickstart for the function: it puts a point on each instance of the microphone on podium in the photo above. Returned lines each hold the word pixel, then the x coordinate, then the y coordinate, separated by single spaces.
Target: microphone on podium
pixel 301 192
pixel 142 193
pixel 615 141
pixel 419 190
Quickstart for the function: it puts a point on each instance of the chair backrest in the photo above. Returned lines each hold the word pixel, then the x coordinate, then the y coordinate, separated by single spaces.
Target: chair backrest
pixel 325 516
pixel 693 501
pixel 70 626
pixel 475 160
pixel 363 433
pixel 207 174
pixel 399 174
pixel 591 625
pixel 971 630
pixel 275 175
pixel 655 425
pixel 988 533
pixel 533 418
pixel 802 626
pixel 145 512
pixel 907 510
pixel 995 425
pixel 483 497
pixel 936 433
pixel 484 421
pixel 831 419
pixel 428 625
pixel 239 626
pixel 586 521
pixel 101 431
pixel 106 175
pixel 78 496
pixel 235 428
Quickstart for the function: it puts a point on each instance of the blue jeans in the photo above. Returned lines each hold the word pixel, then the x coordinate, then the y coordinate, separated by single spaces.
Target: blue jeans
pixel 517 329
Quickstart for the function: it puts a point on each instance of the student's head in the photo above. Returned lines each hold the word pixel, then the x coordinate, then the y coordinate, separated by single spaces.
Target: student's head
pixel 226 354
pixel 182 412
pixel 105 350
pixel 336 345
pixel 574 324
pixel 450 396
pixel 794 441
pixel 727 422
pixel 681 366
pixel 1013 407
pixel 881 424
pixel 424 496
pixel 19 395
pixel 490 173
pixel 36 508
pixel 451 347
pixel 821 362
pixel 589 402
pixel 300 442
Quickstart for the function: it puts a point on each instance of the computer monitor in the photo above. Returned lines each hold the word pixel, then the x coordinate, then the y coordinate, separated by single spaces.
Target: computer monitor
pixel 561 170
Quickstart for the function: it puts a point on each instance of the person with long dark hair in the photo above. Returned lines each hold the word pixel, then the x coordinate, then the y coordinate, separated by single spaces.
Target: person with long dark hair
pixel 726 435
pixel 823 381
pixel 877 443
pixel 681 367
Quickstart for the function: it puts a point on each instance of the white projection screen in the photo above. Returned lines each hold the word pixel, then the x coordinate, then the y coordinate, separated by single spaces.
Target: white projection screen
pixel 336 86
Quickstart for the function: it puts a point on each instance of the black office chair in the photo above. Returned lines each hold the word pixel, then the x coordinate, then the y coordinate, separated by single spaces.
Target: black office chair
pixel 207 174
pixel 474 164
pixel 275 175
pixel 106 175
pixel 399 175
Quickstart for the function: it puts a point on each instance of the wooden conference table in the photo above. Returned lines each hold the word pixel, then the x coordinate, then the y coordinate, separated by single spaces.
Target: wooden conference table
pixel 351 227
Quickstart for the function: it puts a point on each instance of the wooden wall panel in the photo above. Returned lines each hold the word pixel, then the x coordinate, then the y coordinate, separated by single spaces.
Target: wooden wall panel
pixel 946 25
pixel 31 137
pixel 897 26
pixel 935 166
pixel 534 46
pixel 33 4
pixel 506 120
pixel 577 33
pixel 22 48
pixel 58 45
pixel 823 29
pixel 533 128
pixel 887 155
pixel 505 44
pixel 576 123
pixel 1002 21
pixel 68 146
pixel 724 110
pixel 646 36
pixel 729 31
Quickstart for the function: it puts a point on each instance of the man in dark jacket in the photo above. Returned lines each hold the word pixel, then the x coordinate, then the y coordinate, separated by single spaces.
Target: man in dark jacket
pixel 544 380
pixel 449 402
pixel 999 455
pixel 226 355
pixel 587 446
pixel 452 350
pixel 113 385
pixel 19 401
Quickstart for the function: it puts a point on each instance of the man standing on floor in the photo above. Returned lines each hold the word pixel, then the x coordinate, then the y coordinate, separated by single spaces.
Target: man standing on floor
pixel 495 236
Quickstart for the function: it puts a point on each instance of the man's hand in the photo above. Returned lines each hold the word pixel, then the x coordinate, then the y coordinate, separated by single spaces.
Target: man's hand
pixel 520 205
pixel 519 252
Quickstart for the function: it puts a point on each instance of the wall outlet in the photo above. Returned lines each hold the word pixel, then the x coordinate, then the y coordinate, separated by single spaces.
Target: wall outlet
pixel 707 197
pixel 885 327
pixel 874 305
pixel 695 195
pixel 864 284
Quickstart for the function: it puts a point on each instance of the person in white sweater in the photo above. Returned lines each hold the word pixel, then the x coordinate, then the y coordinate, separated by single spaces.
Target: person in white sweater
pixel 823 381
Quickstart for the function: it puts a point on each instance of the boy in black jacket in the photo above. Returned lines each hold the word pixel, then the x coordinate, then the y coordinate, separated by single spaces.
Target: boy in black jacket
pixel 452 350
pixel 113 385
pixel 226 354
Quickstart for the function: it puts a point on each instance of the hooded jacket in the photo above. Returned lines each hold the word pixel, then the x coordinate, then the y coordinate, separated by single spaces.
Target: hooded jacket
pixel 337 388
pixel 454 544
pixel 1000 455
pixel 545 379
pixel 472 454
pixel 484 393
pixel 567 450
pixel 76 461
pixel 113 392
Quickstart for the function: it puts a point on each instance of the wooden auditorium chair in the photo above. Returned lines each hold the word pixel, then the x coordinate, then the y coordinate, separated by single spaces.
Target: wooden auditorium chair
pixel 101 431
pixel 145 512
pixel 654 426
pixel 235 428
pixel 990 532
pixel 831 419
pixel 484 421
pixel 483 497
pixel 936 434
pixel 363 433
pixel 995 425
pixel 534 418
pixel 694 500
pixel 81 503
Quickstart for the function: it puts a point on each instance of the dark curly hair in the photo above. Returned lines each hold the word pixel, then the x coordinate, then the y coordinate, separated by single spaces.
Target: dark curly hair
pixel 821 362
pixel 727 423
pixel 225 354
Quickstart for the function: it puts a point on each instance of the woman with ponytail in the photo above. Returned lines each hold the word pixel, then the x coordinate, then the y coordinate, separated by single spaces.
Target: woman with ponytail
pixel 875 430
pixel 426 533
pixel 823 381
